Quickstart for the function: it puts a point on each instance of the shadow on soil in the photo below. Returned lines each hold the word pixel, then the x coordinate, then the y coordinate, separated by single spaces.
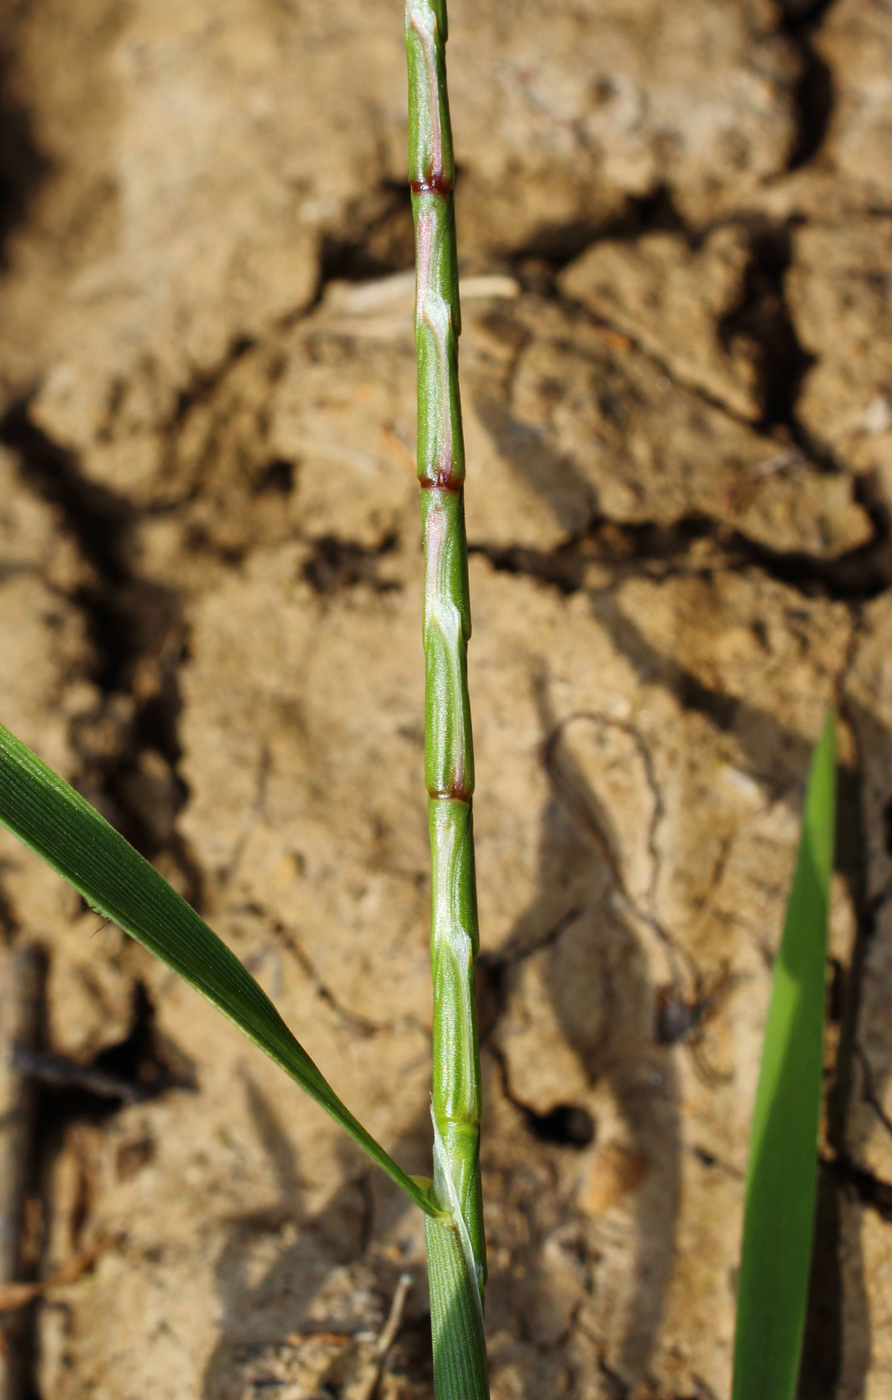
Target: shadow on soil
pixel 21 164
pixel 261 1310
pixel 597 978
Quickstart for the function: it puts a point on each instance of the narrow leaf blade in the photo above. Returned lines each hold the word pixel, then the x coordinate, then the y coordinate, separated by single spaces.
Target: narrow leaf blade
pixel 782 1172
pixel 63 829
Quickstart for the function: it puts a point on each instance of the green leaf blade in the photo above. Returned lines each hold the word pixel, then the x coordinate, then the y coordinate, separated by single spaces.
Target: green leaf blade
pixel 61 827
pixel 782 1173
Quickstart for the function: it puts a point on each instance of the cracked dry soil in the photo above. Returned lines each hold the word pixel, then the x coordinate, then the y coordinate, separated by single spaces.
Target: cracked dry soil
pixel 676 227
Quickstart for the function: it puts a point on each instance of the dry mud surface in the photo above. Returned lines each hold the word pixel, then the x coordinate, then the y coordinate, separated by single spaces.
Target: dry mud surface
pixel 676 235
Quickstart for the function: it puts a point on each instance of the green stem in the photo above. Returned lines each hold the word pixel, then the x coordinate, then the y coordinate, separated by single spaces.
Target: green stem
pixel 449 759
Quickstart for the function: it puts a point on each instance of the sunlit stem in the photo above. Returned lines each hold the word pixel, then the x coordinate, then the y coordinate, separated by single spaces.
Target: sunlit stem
pixel 456 1251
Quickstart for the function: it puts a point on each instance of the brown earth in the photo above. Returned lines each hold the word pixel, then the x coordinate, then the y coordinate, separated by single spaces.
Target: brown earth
pixel 676 230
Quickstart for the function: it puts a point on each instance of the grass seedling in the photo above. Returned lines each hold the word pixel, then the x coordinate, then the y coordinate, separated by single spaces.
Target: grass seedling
pixel 65 831
pixel 782 1174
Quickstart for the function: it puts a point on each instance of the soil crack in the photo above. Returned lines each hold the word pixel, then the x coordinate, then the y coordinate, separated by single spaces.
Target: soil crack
pixel 870 1190
pixel 538 263
pixel 139 641
pixel 566 1125
pixel 813 94
pixel 357 1025
pixel 336 563
pixel 664 551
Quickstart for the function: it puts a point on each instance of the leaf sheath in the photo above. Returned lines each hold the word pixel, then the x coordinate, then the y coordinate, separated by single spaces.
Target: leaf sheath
pixel 456 1319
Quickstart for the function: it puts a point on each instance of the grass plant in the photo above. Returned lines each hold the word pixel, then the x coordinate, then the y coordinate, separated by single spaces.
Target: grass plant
pixel 62 828
pixel 65 831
